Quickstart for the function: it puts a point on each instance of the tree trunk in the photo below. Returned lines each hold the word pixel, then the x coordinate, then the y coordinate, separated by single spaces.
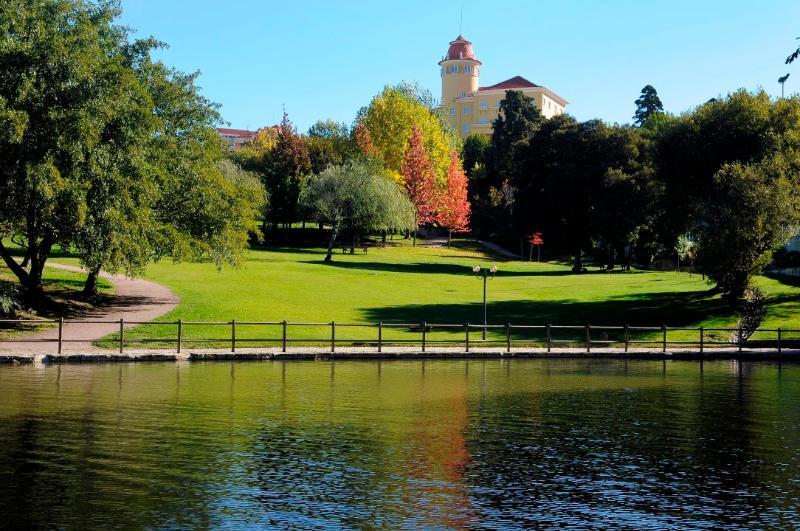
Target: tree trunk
pixel 334 233
pixel 31 280
pixel 577 265
pixel 90 286
pixel 27 259
pixel 449 237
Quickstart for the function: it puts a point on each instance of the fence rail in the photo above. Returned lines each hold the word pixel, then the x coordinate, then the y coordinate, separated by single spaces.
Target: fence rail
pixel 506 335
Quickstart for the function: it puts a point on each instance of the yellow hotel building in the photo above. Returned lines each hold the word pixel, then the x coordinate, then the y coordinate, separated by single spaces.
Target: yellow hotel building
pixel 472 109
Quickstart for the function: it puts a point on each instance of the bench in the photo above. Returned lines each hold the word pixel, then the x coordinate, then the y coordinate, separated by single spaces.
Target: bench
pixel 346 249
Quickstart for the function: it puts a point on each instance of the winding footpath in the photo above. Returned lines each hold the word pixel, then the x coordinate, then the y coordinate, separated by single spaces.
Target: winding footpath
pixel 133 300
pixel 505 253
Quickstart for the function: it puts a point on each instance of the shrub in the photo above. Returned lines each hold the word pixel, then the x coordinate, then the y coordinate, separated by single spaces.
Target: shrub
pixel 9 300
pixel 753 309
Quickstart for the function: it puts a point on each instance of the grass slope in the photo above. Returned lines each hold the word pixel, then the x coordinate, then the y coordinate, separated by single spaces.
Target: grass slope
pixel 412 285
pixel 435 285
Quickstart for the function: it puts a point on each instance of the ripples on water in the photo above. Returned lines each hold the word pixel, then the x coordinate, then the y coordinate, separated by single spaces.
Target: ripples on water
pixel 445 443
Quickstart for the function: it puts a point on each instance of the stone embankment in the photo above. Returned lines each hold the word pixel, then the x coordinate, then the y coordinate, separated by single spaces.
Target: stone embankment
pixel 402 353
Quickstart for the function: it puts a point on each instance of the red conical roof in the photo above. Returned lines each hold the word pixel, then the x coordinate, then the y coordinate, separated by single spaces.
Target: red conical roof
pixel 460 48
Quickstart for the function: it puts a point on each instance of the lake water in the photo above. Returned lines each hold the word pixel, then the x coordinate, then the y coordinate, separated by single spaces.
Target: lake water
pixel 440 443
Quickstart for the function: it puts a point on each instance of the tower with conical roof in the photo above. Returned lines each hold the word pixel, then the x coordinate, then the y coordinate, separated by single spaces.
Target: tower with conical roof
pixel 471 109
pixel 460 70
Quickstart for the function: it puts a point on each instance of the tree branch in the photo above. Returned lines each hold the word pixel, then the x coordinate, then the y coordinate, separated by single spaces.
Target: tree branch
pixel 12 264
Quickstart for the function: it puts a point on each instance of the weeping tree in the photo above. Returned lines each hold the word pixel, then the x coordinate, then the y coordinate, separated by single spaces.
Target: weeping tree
pixel 109 153
pixel 358 196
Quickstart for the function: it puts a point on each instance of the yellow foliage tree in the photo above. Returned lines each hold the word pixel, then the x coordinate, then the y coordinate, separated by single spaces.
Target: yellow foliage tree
pixel 389 119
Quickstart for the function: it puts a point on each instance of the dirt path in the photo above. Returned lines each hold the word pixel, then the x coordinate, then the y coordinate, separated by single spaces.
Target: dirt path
pixel 134 300
pixel 498 250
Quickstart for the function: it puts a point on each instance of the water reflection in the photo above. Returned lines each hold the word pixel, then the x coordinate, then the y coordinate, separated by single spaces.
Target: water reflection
pixel 437 443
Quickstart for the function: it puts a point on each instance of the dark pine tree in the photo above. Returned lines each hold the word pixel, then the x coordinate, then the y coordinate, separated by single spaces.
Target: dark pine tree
pixel 647 104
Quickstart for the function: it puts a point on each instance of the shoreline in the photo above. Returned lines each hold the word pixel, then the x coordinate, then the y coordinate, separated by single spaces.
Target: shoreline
pixel 403 353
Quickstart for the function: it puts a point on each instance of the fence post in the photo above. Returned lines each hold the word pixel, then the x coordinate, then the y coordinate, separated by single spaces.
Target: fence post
pixel 508 337
pixel 180 334
pixel 741 338
pixel 702 339
pixel 60 333
pixel 664 339
pixel 588 338
pixel 121 335
pixel 380 336
pixel 627 336
pixel 424 331
pixel 549 338
pixel 466 337
pixel 233 335
pixel 779 340
pixel 333 336
pixel 283 336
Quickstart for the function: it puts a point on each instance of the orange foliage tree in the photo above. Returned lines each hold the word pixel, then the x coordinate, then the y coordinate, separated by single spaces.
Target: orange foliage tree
pixel 419 178
pixel 453 208
pixel 363 140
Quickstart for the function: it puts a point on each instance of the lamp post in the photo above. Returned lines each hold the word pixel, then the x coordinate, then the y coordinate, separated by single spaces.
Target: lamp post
pixel 485 273
pixel 782 81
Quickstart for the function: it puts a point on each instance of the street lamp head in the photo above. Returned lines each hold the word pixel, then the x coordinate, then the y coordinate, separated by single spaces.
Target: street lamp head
pixel 476 269
pixel 493 269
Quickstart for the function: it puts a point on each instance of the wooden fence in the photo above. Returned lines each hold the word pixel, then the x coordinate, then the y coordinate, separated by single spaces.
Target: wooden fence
pixel 505 336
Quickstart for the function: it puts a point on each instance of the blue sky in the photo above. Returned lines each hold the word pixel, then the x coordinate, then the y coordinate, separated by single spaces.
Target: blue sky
pixel 327 59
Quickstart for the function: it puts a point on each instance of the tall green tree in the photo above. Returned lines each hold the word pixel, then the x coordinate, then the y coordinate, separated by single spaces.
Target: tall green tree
pixel 475 152
pixel 329 142
pixel 112 155
pixel 754 209
pixel 582 183
pixel 647 104
pixel 690 149
pixel 517 120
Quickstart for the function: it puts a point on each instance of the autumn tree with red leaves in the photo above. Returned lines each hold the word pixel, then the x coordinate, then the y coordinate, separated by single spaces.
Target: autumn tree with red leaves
pixel 363 140
pixel 419 179
pixel 453 207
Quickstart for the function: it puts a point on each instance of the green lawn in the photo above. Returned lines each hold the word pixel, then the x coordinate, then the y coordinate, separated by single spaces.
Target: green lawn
pixel 434 285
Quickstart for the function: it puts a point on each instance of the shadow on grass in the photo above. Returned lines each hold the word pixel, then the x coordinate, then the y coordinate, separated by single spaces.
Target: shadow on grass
pixel 785 279
pixel 439 269
pixel 287 250
pixel 652 309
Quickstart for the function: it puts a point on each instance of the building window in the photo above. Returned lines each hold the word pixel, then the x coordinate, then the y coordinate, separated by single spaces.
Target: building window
pixel 453 69
pixel 467 69
pixel 476 70
pixel 452 111
pixel 463 94
pixel 484 121
pixel 484 104
pixel 442 70
pixel 467 110
pixel 465 129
